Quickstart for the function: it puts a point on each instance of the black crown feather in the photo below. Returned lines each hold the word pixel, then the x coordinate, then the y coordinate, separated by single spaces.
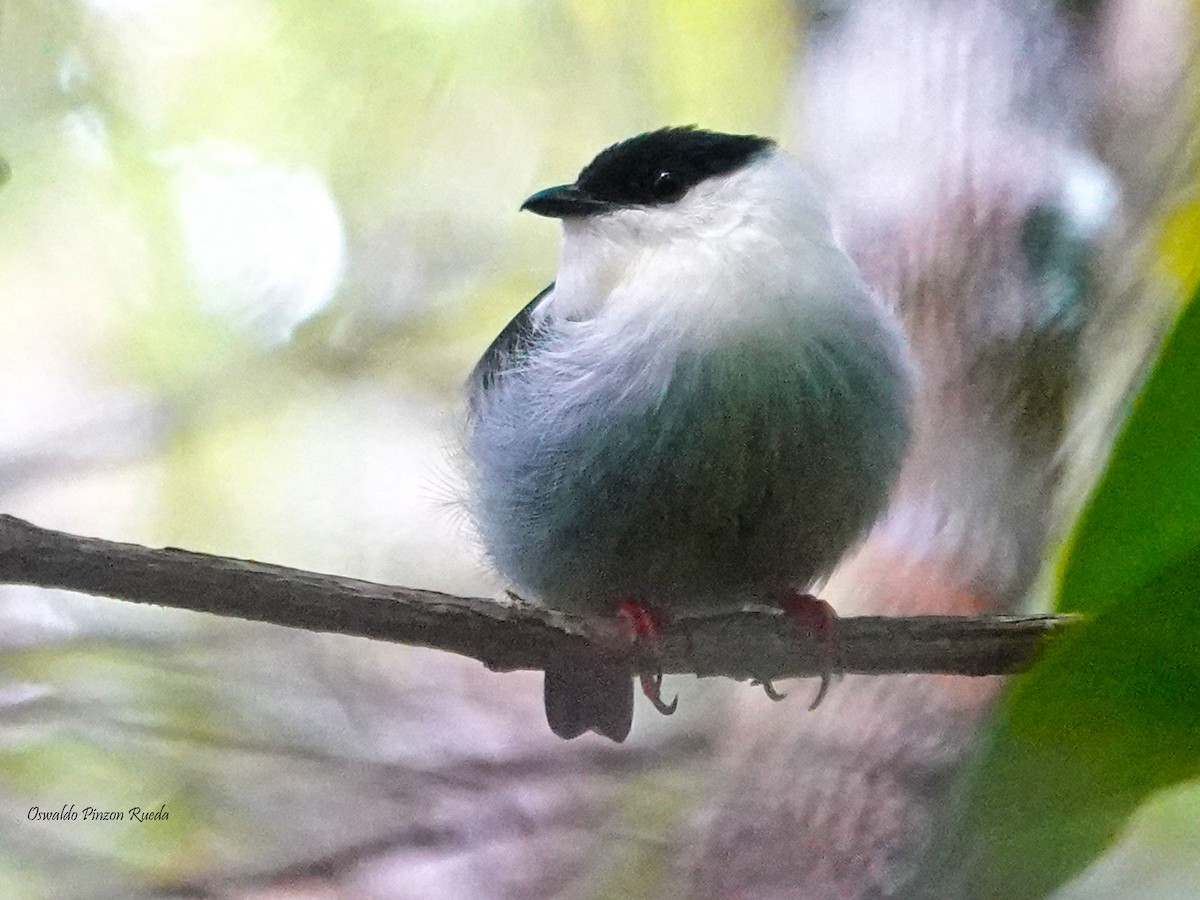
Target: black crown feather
pixel 661 166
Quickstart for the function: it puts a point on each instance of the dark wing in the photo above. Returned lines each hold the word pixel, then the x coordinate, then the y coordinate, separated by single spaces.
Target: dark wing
pixel 506 351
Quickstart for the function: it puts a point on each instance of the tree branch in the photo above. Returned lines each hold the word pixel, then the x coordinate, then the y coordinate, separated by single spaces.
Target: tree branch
pixel 508 635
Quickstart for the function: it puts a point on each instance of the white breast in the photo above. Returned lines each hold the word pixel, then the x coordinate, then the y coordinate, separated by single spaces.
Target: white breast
pixel 743 253
pixel 719 405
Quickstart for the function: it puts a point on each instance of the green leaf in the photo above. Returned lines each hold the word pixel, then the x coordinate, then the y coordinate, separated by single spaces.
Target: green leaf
pixel 1112 712
pixel 1146 513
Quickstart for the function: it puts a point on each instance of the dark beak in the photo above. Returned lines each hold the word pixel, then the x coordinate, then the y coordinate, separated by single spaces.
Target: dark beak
pixel 565 202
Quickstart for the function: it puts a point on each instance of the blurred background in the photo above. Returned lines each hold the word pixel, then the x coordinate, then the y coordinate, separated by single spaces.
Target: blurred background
pixel 251 248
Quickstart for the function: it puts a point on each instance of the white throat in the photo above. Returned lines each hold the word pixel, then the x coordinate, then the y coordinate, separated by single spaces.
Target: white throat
pixel 748 250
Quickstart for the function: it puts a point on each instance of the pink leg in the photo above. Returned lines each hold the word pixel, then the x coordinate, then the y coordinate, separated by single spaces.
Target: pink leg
pixel 642 625
pixel 812 612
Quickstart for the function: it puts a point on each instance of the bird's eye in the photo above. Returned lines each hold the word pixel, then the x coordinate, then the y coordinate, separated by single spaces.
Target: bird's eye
pixel 666 187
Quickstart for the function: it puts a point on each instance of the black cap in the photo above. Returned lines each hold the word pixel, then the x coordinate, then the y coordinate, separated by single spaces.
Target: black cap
pixel 652 169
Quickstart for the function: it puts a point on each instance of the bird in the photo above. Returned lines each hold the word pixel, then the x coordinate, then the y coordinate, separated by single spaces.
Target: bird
pixel 706 408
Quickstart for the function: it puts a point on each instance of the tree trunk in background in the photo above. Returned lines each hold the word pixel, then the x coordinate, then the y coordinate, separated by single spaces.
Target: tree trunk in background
pixel 963 147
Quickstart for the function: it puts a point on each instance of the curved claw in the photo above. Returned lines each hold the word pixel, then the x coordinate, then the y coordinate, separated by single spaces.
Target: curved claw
pixel 818 618
pixel 652 688
pixel 769 689
pixel 826 677
pixel 665 708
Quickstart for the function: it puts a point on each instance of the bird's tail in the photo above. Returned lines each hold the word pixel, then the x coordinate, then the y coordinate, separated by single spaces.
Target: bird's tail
pixel 589 694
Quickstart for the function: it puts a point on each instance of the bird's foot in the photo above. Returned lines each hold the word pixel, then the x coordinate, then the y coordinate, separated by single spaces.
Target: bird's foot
pixel 818 618
pixel 652 688
pixel 769 689
pixel 642 625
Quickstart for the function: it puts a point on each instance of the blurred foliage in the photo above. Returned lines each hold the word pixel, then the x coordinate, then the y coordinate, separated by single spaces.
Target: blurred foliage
pixel 237 203
pixel 1112 713
pixel 1179 236
pixel 293 225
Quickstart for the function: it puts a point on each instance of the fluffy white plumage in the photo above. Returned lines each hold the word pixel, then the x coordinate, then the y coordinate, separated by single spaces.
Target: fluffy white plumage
pixel 706 408
pixel 719 255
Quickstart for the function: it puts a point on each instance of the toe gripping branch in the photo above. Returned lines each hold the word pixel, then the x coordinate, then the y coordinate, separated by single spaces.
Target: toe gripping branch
pixel 642 625
pixel 816 617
